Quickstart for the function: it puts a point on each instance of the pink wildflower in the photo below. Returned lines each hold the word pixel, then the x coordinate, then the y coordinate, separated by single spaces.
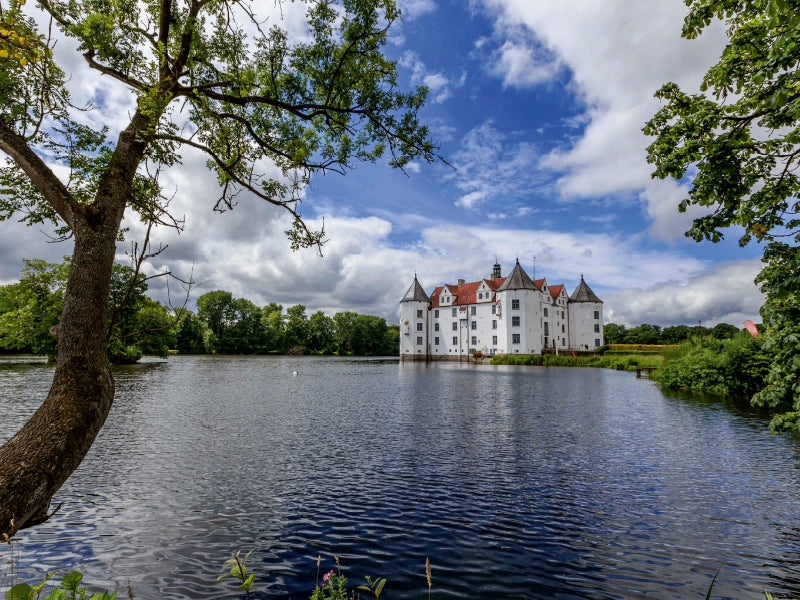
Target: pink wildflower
pixel 326 577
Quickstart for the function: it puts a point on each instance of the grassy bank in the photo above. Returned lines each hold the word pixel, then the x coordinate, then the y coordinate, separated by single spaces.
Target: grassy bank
pixel 622 357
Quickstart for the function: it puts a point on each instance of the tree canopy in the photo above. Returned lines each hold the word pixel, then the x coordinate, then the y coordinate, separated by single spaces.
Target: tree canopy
pixel 738 141
pixel 267 107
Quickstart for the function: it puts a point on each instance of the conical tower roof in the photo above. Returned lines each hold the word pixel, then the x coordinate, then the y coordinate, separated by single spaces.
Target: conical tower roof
pixel 517 280
pixel 415 293
pixel 583 293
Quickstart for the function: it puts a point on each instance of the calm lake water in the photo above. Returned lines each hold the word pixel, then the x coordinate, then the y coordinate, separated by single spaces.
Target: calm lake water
pixel 547 483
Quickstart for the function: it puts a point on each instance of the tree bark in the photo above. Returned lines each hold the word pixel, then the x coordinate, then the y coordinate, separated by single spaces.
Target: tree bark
pixel 50 446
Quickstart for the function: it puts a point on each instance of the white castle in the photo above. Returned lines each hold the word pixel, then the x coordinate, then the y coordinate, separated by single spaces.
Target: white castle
pixel 499 315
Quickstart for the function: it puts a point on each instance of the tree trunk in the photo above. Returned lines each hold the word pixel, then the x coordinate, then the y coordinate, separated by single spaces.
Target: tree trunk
pixel 50 446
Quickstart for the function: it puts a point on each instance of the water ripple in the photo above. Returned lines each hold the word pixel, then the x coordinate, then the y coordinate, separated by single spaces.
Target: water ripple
pixel 547 483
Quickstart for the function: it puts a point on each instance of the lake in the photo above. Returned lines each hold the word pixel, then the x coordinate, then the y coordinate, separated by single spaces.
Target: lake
pixel 515 481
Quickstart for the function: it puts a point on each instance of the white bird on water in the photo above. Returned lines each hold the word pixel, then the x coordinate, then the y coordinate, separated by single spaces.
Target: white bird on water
pixel 294 372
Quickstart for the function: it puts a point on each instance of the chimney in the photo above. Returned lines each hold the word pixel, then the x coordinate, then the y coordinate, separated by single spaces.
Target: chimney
pixel 460 282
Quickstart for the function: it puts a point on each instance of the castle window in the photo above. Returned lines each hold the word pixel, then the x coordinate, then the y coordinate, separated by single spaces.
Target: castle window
pixel 563 341
pixel 419 326
pixel 515 304
pixel 436 327
pixel 455 341
pixel 546 328
pixel 597 314
pixel 455 326
pixel 436 313
pixel 436 341
pixel 596 342
pixel 494 324
pixel 480 296
pixel 515 321
pixel 515 338
pixel 545 312
pixel 419 340
pixel 419 314
pixel 494 309
pixel 472 310
pixel 597 327
pixel 494 340
pixel 562 329
pixel 474 340
pixel 562 314
pixel 455 312
pixel 473 325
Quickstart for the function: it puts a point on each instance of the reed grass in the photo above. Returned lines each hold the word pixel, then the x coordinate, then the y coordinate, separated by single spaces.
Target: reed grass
pixel 620 362
pixel 333 586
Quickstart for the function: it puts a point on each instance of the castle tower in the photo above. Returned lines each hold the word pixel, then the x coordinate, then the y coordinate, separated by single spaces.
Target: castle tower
pixel 520 302
pixel 414 323
pixel 585 318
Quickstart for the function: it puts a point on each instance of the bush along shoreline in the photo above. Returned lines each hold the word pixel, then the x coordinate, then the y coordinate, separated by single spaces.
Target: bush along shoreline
pixel 736 368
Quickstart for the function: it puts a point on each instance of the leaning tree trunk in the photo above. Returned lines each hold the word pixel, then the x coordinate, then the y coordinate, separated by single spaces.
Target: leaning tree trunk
pixel 50 446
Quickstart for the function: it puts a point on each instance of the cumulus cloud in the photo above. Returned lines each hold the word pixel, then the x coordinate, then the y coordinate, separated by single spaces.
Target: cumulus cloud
pixel 617 53
pixel 724 293
pixel 520 65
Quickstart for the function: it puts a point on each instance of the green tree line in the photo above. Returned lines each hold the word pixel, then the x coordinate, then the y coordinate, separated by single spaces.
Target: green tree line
pixel 30 311
pixel 675 334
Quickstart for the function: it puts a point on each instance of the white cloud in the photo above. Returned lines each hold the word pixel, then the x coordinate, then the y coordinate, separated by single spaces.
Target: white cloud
pixel 490 168
pixel 440 86
pixel 661 199
pixel 412 9
pixel 618 53
pixel 519 66
pixel 724 293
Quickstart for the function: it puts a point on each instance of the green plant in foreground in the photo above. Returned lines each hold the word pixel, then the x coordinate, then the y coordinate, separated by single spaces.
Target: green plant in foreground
pixel 334 587
pixel 238 571
pixel 70 589
pixel 374 587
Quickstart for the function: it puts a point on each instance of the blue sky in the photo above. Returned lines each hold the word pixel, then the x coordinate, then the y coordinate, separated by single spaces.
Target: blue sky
pixel 538 106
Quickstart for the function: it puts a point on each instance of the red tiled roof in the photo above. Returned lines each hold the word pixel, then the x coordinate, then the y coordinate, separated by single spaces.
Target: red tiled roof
pixel 555 290
pixel 539 283
pixel 466 293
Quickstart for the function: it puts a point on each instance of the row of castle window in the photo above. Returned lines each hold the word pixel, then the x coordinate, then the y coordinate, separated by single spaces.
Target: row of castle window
pixel 514 320
pixel 514 306
pixel 474 340
pixel 515 339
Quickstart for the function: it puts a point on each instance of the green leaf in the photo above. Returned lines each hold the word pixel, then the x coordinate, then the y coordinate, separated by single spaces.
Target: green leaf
pixel 21 591
pixel 247 582
pixel 71 581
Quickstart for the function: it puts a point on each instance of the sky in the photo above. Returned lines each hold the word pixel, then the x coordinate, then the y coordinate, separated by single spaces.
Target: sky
pixel 538 108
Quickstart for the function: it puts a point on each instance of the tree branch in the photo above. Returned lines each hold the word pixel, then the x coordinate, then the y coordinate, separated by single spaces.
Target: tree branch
pixel 42 177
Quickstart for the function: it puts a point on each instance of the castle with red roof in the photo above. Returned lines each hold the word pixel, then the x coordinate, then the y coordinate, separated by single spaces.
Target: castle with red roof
pixel 498 315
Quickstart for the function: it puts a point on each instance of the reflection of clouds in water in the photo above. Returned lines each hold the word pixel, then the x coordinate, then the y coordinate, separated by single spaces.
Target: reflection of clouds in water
pixel 492 470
